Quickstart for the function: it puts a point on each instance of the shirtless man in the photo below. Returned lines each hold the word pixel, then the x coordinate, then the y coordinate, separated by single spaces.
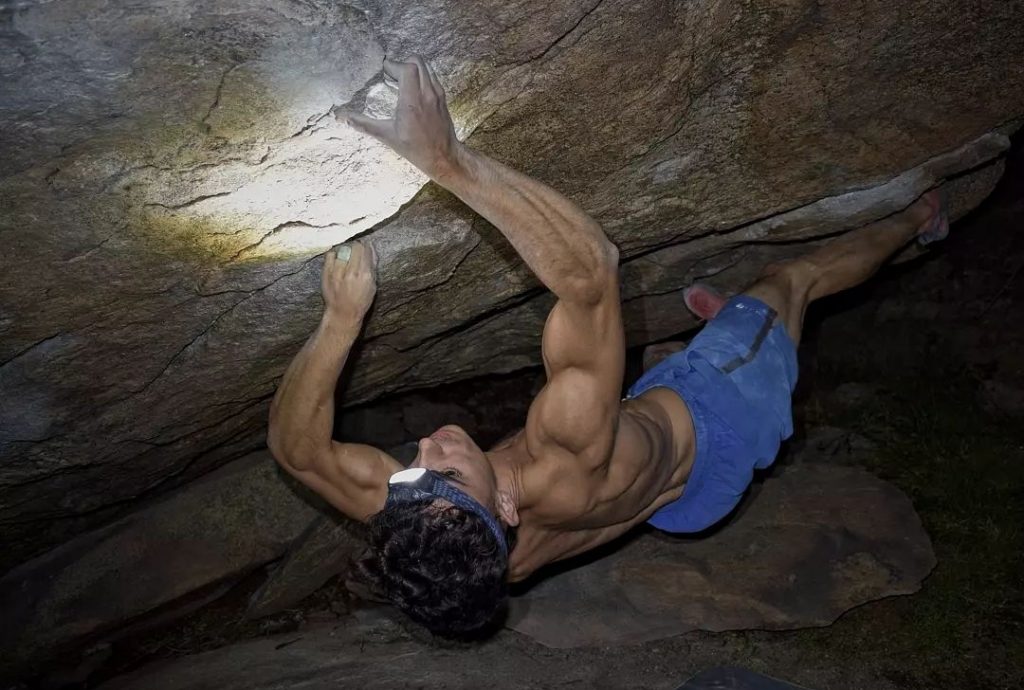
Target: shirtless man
pixel 448 534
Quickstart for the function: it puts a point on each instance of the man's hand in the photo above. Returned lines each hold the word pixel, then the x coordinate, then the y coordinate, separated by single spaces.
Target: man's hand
pixel 421 130
pixel 349 284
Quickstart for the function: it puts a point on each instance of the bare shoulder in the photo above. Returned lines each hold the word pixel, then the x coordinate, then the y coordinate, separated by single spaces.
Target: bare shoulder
pixel 352 477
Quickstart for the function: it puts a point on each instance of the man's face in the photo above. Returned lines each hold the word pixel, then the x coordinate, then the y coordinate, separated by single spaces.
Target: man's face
pixel 451 452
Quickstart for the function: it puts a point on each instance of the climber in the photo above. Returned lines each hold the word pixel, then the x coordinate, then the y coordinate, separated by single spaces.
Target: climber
pixel 447 534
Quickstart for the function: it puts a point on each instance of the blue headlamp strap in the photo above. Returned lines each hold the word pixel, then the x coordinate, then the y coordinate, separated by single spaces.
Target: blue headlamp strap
pixel 420 484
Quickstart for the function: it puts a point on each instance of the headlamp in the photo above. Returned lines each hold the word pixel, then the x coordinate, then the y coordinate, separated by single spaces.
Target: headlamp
pixel 418 484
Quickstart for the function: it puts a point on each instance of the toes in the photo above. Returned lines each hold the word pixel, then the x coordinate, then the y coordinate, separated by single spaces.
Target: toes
pixel 936 226
pixel 703 302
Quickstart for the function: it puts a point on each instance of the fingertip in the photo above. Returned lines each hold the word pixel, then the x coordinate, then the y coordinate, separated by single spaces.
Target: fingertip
pixel 402 72
pixel 368 125
pixel 391 67
pixel 351 119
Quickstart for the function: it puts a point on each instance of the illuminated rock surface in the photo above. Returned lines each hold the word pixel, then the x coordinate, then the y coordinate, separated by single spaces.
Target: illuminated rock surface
pixel 171 171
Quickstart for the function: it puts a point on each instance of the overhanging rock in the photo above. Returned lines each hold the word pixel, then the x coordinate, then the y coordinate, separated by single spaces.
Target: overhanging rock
pixel 171 172
pixel 212 532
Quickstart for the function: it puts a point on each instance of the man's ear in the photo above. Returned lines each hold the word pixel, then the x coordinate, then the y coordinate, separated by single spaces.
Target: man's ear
pixel 507 509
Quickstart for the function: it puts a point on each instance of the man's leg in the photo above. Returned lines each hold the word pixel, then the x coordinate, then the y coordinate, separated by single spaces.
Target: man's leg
pixel 788 287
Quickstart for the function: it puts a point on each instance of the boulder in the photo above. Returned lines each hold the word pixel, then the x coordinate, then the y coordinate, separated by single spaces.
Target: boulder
pixel 324 550
pixel 816 541
pixel 370 650
pixel 172 171
pixel 196 539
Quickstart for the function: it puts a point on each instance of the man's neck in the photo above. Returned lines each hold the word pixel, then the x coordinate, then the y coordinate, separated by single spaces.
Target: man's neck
pixel 508 459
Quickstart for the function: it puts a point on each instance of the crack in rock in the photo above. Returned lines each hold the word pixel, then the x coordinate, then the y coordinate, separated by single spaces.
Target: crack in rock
pixel 204 122
pixel 191 202
pixel 276 230
pixel 24 351
pixel 542 54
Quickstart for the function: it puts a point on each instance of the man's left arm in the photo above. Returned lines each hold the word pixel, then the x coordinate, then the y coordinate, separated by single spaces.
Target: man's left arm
pixel 583 343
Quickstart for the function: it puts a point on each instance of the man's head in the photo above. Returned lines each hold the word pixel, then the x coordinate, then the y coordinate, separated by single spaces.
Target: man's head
pixel 452 452
pixel 438 550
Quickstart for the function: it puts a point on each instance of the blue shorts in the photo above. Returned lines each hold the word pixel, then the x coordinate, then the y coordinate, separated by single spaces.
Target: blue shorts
pixel 736 377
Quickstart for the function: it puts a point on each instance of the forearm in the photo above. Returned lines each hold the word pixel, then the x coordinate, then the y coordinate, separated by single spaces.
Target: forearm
pixel 302 413
pixel 564 247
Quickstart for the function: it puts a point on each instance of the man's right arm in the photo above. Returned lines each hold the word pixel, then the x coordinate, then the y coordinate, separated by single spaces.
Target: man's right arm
pixel 351 477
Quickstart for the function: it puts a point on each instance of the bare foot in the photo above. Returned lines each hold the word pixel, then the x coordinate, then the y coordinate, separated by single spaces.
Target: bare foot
pixel 705 302
pixel 930 215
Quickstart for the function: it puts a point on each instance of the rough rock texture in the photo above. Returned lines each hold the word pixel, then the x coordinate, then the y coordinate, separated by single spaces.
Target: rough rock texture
pixel 816 541
pixel 324 550
pixel 733 678
pixel 220 527
pixel 370 651
pixel 171 171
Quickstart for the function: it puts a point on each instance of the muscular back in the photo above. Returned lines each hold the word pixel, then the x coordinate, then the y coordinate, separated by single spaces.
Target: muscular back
pixel 592 466
pixel 576 509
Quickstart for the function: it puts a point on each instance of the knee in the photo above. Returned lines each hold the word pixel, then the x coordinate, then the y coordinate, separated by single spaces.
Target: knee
pixel 792 276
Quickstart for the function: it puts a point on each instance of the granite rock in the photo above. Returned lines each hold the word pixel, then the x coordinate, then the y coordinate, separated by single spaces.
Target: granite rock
pixel 324 550
pixel 155 563
pixel 815 541
pixel 172 171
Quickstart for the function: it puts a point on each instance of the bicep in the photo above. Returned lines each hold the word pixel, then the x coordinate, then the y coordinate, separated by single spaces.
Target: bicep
pixel 352 477
pixel 584 351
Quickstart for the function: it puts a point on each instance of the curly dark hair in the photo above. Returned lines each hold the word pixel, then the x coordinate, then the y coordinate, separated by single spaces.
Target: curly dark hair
pixel 442 566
